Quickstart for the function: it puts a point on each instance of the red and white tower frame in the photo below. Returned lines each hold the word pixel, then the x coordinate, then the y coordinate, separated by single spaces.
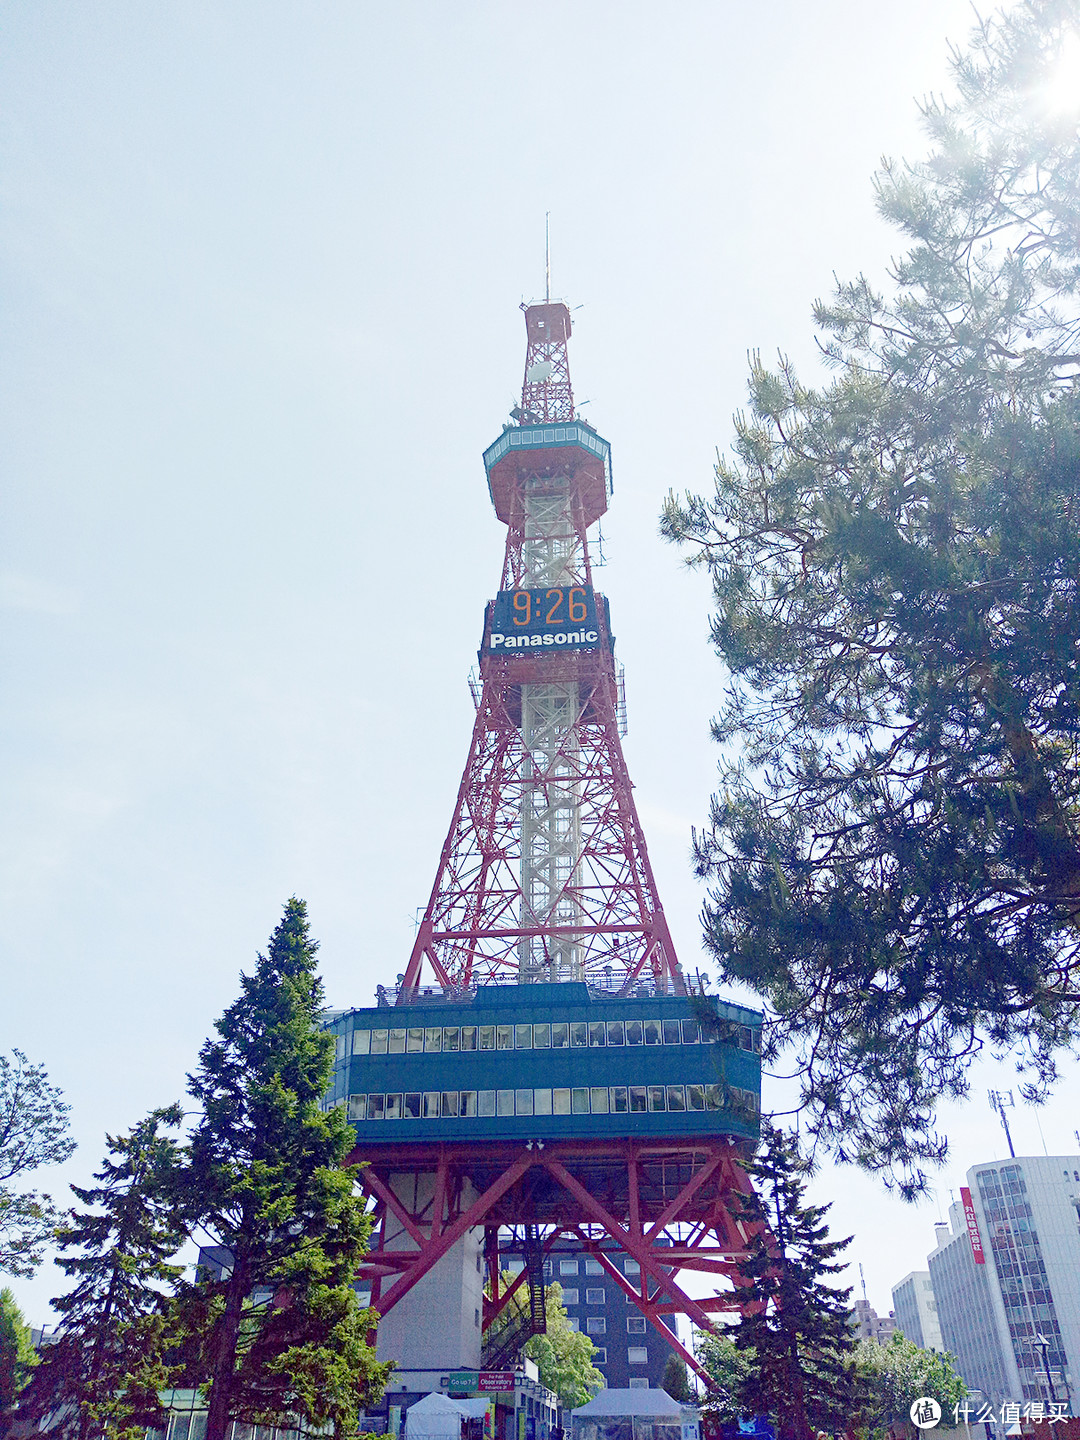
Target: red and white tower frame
pixel 545 874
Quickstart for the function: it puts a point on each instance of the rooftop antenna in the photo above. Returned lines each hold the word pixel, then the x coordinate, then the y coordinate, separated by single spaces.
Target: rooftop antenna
pixel 547 256
pixel 1042 1137
pixel 862 1277
pixel 999 1101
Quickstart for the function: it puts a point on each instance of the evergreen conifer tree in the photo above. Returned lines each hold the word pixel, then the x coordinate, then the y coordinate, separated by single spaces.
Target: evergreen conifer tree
pixel 281 1337
pixel 796 1330
pixel 894 850
pixel 104 1371
pixel 676 1381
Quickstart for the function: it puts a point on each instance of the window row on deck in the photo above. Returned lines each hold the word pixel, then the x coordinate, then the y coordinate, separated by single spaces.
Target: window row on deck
pixel 556 1035
pixel 579 1100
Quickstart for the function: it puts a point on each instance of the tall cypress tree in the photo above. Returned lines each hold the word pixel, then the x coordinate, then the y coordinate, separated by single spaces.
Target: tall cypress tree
pixel 796 1330
pixel 281 1336
pixel 105 1370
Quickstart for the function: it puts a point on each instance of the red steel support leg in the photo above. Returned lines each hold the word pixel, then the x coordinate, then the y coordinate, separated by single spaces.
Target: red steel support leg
pixel 650 1311
pixel 435 1249
pixel 645 1255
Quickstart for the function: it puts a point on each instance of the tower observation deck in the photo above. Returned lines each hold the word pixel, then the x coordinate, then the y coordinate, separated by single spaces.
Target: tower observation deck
pixel 543 1066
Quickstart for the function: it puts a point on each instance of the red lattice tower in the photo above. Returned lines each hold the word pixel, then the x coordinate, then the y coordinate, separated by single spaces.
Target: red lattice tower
pixel 545 874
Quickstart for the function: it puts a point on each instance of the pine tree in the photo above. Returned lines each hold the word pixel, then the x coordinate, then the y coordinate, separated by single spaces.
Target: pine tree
pixel 103 1373
pixel 795 1329
pixel 676 1381
pixel 895 558
pixel 280 1338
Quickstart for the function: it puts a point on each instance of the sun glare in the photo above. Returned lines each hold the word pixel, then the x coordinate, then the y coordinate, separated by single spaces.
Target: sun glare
pixel 1061 89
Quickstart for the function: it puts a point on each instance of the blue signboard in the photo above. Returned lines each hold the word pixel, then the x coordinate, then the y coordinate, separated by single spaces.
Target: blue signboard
pixel 562 616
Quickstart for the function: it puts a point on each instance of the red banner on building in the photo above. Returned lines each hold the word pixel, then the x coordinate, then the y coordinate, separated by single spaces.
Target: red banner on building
pixel 972 1225
pixel 501 1380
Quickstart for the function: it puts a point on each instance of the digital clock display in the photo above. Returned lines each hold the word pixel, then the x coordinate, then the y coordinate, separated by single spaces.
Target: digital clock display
pixel 563 616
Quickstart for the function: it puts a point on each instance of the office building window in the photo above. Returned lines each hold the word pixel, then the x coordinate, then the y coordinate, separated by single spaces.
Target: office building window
pixel 635 1324
pixel 593 1267
pixel 573 1322
pixel 596 1325
pixel 595 1297
pixel 638 1382
pixel 568 1267
pixel 637 1355
pixel 631 1267
pixel 600 1356
pixel 570 1297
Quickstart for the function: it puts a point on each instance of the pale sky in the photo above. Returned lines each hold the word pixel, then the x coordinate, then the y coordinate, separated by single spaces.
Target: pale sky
pixel 262 268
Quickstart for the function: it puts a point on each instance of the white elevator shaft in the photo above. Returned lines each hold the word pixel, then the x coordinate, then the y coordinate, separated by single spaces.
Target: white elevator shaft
pixel 551 790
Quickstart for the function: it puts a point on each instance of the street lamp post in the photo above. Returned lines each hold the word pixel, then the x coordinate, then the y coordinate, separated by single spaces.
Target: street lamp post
pixel 988 1426
pixel 1044 1345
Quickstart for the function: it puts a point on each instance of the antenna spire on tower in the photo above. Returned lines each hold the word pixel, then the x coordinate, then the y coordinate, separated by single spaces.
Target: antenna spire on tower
pixel 547 257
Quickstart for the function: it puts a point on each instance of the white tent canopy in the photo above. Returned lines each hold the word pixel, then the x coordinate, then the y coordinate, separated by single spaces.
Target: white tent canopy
pixel 436 1417
pixel 628 1415
pixel 631 1402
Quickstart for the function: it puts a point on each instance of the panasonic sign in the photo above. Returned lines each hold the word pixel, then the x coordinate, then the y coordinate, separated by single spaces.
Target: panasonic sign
pixel 573 638
pixel 561 616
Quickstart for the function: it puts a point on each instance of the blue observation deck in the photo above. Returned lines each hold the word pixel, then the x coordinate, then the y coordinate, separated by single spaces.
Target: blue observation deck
pixel 548 1061
pixel 571 446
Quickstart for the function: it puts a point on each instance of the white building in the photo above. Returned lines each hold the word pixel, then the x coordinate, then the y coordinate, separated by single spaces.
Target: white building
pixel 915 1310
pixel 1006 1279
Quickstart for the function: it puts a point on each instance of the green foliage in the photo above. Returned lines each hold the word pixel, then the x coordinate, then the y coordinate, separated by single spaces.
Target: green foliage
pixel 898 1373
pixel 676 1381
pixel 895 558
pixel 563 1356
pixel 17 1356
pixel 33 1132
pixel 795 1329
pixel 281 1335
pixel 105 1370
pixel 729 1368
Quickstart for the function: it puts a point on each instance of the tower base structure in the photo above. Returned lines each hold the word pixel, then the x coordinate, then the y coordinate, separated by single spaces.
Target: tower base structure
pixel 670 1204
pixel 439 1327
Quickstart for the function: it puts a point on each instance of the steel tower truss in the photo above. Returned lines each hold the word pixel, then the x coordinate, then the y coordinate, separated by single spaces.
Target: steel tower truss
pixel 545 874
pixel 670 1204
